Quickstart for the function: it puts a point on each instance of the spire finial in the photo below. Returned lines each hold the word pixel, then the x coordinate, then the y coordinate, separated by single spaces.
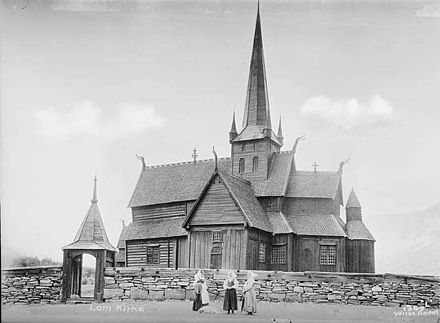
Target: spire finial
pixel 341 165
pixel 280 130
pixel 194 155
pixel 142 159
pixel 315 166
pixel 95 194
pixel 215 157
pixel 297 140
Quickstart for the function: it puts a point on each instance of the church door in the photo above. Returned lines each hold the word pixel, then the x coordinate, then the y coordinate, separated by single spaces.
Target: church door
pixel 216 257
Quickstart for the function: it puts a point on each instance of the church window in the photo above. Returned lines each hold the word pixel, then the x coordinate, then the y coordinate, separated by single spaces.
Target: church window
pixel 255 146
pixel 327 255
pixel 279 254
pixel 254 164
pixel 262 252
pixel 153 254
pixel 241 166
pixel 216 236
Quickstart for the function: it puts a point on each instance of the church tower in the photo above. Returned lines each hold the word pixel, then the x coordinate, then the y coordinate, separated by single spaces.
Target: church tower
pixel 252 148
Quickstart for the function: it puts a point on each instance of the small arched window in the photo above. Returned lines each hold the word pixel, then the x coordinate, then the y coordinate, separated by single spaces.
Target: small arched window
pixel 254 164
pixel 241 166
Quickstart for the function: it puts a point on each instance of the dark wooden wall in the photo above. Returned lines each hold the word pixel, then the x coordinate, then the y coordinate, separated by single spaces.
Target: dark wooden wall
pixel 262 149
pixel 255 237
pixel 182 252
pixel 360 256
pixel 305 206
pixel 154 212
pixel 137 252
pixel 306 254
pixel 287 239
pixel 233 246
pixel 217 207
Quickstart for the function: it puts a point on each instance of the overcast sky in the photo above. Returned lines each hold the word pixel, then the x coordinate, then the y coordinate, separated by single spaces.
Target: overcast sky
pixel 87 85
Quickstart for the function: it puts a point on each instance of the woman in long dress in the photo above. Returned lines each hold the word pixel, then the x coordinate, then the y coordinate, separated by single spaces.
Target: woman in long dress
pixel 250 300
pixel 197 304
pixel 230 285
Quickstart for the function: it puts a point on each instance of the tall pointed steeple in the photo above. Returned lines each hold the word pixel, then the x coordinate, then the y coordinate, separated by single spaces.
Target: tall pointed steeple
pixel 91 233
pixel 280 132
pixel 257 111
pixel 233 132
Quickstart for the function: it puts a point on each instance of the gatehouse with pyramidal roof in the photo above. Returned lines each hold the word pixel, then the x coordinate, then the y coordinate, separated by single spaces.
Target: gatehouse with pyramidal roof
pixel 251 210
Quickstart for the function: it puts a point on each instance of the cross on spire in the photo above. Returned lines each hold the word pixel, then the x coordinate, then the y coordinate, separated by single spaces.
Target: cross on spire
pixel 315 166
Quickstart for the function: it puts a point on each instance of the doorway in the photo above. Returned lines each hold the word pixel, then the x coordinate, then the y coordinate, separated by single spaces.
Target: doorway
pixel 216 256
pixel 88 276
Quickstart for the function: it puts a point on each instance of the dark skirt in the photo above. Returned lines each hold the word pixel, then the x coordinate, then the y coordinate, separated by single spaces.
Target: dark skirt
pixel 197 304
pixel 230 303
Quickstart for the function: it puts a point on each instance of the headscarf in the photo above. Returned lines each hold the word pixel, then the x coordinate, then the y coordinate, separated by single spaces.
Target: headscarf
pixel 231 275
pixel 198 276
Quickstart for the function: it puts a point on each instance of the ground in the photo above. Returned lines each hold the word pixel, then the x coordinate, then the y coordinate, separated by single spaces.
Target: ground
pixel 180 311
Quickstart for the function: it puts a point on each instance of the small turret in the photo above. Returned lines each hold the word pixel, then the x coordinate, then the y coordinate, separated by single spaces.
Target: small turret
pixel 353 208
pixel 280 133
pixel 233 132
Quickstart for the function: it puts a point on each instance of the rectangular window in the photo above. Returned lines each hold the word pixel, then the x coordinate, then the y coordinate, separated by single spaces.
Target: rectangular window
pixel 279 254
pixel 327 255
pixel 262 253
pixel 216 236
pixel 153 254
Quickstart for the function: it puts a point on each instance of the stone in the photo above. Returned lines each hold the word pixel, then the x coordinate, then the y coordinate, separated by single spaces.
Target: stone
pixel 172 293
pixel 113 293
pixel 332 297
pixel 298 289
pixel 138 293
pixel 126 285
pixel 156 295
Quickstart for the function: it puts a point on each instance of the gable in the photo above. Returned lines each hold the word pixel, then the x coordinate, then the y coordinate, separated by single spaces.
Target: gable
pixel 216 206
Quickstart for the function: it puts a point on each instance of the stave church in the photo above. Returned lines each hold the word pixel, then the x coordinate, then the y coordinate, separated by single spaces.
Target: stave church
pixel 251 210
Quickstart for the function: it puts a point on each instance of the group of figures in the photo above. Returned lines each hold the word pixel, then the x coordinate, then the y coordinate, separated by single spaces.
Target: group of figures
pixel 230 285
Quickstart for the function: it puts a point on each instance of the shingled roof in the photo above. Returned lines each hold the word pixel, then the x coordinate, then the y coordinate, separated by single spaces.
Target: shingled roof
pixel 121 240
pixel 91 233
pixel 356 230
pixel 314 184
pixel 279 223
pixel 156 229
pixel 316 225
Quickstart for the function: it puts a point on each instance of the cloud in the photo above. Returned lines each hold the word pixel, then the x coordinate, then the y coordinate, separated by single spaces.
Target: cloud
pixel 429 11
pixel 89 119
pixel 348 113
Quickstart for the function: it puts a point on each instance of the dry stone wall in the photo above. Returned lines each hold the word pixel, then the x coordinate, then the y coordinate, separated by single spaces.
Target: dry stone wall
pixel 318 287
pixel 32 285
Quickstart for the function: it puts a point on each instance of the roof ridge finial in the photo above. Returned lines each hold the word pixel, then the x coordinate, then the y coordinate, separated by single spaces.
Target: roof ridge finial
pixel 297 140
pixel 95 194
pixel 215 156
pixel 341 165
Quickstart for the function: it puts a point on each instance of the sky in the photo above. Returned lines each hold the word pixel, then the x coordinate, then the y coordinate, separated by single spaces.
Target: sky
pixel 87 85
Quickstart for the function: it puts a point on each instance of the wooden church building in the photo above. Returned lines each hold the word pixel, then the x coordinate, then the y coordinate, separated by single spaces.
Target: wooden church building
pixel 251 210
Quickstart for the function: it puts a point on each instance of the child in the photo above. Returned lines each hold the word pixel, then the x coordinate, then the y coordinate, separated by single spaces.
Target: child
pixel 230 285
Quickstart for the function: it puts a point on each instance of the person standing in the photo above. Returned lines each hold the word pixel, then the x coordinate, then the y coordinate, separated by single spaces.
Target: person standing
pixel 230 285
pixel 197 304
pixel 250 300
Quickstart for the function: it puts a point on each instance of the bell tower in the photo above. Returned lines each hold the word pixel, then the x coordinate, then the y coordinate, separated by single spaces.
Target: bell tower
pixel 253 146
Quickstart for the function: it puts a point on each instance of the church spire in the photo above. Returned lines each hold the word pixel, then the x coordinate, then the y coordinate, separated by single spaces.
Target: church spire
pixel 280 132
pixel 233 132
pixel 95 196
pixel 256 111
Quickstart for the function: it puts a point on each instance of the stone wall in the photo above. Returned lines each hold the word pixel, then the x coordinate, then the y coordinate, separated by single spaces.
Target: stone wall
pixel 345 288
pixel 32 285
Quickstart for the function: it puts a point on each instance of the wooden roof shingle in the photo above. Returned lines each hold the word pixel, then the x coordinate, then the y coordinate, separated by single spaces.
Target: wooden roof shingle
pixel 279 223
pixel 316 225
pixel 357 230
pixel 313 184
pixel 156 229
pixel 91 233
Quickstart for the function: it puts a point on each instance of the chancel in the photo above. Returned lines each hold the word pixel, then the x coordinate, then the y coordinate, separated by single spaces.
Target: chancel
pixel 251 210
